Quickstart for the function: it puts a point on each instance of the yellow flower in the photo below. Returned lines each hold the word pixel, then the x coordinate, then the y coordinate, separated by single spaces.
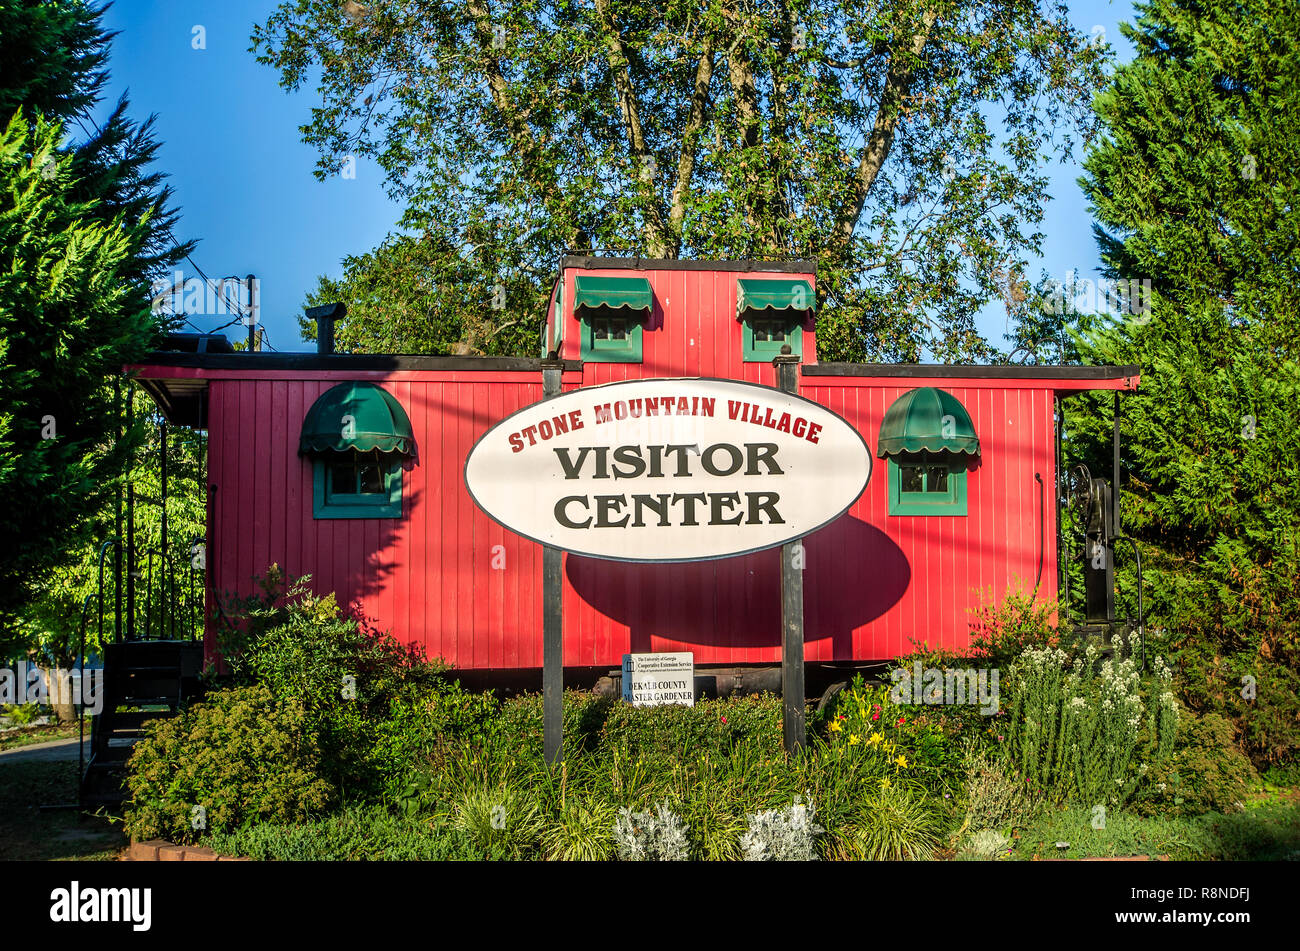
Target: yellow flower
pixel 853 739
pixel 835 726
pixel 902 761
pixel 884 784
pixel 875 738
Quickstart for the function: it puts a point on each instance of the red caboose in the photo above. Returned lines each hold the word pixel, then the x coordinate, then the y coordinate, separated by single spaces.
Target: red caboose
pixel 960 500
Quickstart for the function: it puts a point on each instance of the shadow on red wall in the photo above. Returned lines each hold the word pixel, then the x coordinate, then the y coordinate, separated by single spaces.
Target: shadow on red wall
pixel 854 573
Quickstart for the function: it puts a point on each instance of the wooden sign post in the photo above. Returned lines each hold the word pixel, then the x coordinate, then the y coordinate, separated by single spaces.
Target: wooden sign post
pixel 792 561
pixel 552 611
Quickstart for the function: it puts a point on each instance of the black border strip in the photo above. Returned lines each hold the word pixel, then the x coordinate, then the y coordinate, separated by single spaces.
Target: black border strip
pixel 871 470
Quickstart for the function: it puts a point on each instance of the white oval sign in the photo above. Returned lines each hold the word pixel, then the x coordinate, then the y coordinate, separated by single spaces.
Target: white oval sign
pixel 668 470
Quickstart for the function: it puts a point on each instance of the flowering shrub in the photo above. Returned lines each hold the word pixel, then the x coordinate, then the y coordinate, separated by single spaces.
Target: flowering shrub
pixel 1078 728
pixel 1002 631
pixel 919 743
pixel 782 835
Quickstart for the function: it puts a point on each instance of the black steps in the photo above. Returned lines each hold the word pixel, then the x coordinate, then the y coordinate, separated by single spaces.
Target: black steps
pixel 138 675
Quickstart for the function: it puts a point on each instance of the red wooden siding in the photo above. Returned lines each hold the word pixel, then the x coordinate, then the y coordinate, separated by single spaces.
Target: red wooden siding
pixel 873 582
pixel 427 577
pixel 692 331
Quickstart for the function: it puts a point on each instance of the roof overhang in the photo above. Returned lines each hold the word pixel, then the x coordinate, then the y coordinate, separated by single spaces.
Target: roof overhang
pixel 178 382
pixel 1059 379
pixel 663 264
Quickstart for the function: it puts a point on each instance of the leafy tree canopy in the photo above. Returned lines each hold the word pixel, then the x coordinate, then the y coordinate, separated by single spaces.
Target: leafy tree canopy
pixel 901 144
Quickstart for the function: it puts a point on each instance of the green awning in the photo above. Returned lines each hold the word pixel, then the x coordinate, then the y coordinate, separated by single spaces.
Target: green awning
pixel 377 422
pixel 630 293
pixel 779 294
pixel 927 420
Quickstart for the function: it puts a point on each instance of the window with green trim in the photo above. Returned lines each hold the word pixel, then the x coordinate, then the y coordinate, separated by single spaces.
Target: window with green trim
pixel 353 485
pixel 611 336
pixel 764 336
pixel 773 311
pixel 927 484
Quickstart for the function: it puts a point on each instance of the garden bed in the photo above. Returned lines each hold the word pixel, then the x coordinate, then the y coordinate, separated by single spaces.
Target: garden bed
pixel 280 763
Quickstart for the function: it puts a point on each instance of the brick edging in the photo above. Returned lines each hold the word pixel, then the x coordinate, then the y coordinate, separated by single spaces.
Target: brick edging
pixel 160 850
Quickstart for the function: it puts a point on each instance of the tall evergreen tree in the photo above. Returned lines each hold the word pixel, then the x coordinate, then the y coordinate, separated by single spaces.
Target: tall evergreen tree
pixel 1196 185
pixel 84 228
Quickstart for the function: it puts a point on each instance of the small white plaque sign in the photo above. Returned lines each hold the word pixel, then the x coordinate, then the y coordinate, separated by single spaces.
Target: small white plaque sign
pixel 653 679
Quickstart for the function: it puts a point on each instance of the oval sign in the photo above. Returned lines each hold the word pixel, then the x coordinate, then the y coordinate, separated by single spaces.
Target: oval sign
pixel 668 470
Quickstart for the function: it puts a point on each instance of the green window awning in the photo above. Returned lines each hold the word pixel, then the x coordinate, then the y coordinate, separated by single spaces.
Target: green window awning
pixel 631 294
pixel 753 294
pixel 927 420
pixel 357 417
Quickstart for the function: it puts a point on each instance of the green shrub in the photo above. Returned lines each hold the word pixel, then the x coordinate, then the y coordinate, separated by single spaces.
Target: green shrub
pixel 996 798
pixel 21 714
pixel 303 648
pixel 518 725
pixel 893 823
pixel 1282 775
pixel 420 729
pixel 1207 772
pixel 354 834
pixel 372 703
pixel 1269 832
pixel 666 735
pixel 237 757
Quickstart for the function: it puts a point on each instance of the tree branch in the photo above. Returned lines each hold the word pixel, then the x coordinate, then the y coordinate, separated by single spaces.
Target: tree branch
pixel 881 48
pixel 897 82
pixel 657 242
pixel 689 149
pixel 749 122
pixel 530 152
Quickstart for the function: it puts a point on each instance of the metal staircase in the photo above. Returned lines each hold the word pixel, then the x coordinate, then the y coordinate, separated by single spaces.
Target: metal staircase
pixel 143 681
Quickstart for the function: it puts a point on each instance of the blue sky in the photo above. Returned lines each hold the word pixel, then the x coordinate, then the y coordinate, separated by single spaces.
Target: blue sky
pixel 243 179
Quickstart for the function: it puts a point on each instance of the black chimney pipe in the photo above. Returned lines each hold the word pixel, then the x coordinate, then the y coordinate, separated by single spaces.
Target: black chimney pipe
pixel 326 315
